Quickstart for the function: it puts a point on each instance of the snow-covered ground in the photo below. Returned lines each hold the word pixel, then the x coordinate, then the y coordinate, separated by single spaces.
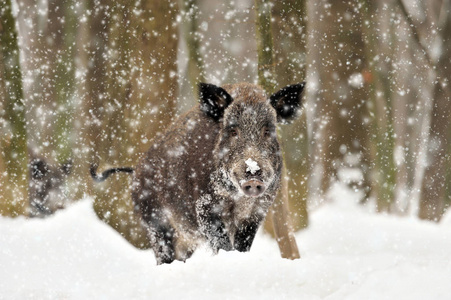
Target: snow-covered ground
pixel 347 253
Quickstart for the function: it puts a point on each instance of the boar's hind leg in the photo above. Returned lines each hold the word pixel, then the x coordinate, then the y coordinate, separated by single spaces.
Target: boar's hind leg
pixel 162 242
pixel 245 236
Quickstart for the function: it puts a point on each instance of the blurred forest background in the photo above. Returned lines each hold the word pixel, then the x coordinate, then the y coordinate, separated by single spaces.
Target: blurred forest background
pixel 93 81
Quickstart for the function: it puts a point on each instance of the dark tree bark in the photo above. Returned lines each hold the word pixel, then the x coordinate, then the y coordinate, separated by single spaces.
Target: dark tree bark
pixel 48 46
pixel 13 144
pixel 265 46
pixel 62 30
pixel 380 88
pixel 133 97
pixel 195 71
pixel 337 96
pixel 433 184
pixel 433 190
pixel 289 32
pixel 279 213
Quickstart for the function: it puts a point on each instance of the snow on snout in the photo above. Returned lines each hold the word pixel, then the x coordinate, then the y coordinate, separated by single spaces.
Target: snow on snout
pixel 252 166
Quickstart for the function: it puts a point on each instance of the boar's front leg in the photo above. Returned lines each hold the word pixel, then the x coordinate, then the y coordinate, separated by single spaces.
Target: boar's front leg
pixel 211 224
pixel 245 235
pixel 217 234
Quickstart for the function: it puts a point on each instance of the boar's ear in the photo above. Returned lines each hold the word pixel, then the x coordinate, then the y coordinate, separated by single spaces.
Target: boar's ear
pixel 287 101
pixel 213 100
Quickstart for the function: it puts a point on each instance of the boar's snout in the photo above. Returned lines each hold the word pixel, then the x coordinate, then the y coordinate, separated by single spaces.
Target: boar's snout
pixel 252 176
pixel 253 188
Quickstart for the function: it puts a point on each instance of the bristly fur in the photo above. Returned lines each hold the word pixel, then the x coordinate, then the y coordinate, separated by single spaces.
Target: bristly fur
pixel 46 187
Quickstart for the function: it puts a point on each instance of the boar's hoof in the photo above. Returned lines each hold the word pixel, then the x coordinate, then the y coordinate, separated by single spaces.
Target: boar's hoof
pixel 253 188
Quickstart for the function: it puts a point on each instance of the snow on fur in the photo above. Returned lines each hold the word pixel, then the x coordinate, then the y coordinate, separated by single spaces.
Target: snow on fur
pixel 252 166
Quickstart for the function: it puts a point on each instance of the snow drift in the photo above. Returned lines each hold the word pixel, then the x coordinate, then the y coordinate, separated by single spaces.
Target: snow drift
pixel 347 253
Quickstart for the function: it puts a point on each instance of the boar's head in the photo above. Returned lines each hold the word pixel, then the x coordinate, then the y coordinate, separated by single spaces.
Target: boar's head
pixel 247 151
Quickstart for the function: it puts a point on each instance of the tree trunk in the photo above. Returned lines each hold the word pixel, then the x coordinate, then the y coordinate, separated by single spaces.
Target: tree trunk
pixel 436 140
pixel 62 30
pixel 380 88
pixel 433 191
pixel 37 69
pixel 137 101
pixel 195 69
pixel 266 77
pixel 14 173
pixel 92 56
pixel 49 71
pixel 289 32
pixel 337 97
pixel 265 46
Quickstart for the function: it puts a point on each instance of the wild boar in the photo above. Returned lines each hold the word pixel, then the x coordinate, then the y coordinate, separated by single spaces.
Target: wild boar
pixel 46 186
pixel 212 176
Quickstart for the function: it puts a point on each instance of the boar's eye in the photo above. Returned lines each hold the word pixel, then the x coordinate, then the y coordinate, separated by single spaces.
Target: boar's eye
pixel 233 132
pixel 268 131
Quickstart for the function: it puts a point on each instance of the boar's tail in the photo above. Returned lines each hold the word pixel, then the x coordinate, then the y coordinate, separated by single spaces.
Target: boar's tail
pixel 107 173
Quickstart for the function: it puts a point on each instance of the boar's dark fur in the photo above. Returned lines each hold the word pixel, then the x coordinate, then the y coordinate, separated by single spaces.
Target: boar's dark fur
pixel 212 176
pixel 46 186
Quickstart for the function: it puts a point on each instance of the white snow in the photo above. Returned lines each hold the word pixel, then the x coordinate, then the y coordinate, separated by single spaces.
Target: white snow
pixel 252 166
pixel 347 253
pixel 356 80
